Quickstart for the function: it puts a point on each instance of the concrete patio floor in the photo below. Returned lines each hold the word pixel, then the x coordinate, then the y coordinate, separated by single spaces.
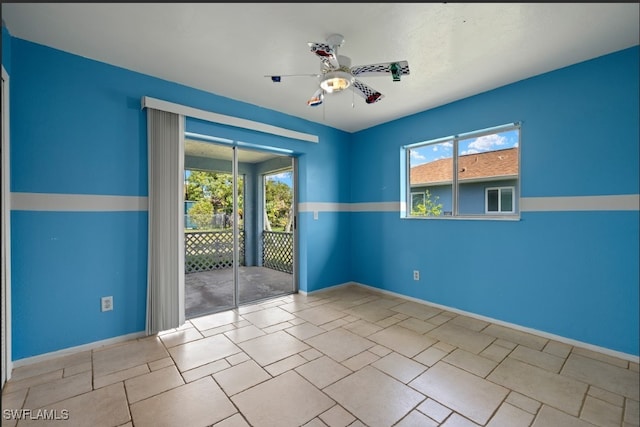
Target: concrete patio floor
pixel 210 291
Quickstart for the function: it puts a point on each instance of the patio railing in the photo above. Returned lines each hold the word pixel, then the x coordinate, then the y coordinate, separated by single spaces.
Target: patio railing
pixel 210 250
pixel 277 250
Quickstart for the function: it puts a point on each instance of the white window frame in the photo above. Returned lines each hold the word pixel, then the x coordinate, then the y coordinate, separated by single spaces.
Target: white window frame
pixel 407 199
pixel 500 210
pixel 416 193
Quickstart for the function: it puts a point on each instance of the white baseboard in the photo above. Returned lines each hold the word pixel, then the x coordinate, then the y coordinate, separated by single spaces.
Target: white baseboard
pixel 71 350
pixel 569 341
pixel 328 288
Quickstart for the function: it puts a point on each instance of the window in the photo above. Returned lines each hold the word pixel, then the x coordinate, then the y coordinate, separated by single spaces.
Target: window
pixel 476 174
pixel 499 200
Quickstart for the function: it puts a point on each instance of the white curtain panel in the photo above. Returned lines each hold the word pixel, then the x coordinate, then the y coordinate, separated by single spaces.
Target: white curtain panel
pixel 165 275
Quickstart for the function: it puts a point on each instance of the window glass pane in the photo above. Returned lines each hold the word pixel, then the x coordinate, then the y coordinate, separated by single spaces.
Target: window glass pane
pixel 486 161
pixel 431 175
pixel 416 199
pixel 506 200
pixel 492 200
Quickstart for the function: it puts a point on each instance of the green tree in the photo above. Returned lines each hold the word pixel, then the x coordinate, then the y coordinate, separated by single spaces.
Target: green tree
pixel 278 205
pixel 201 214
pixel 429 207
pixel 216 188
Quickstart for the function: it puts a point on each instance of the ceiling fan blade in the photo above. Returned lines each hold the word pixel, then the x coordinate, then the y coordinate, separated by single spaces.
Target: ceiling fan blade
pixel 369 94
pixel 396 69
pixel 276 78
pixel 316 99
pixel 326 53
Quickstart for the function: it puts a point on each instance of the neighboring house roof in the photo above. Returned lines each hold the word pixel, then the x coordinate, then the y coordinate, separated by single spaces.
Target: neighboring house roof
pixel 477 167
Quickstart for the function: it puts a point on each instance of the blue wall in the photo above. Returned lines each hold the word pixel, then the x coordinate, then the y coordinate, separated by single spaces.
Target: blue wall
pixel 77 128
pixel 574 274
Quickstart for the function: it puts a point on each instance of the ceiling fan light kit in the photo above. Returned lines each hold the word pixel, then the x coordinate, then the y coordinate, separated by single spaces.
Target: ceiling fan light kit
pixel 337 74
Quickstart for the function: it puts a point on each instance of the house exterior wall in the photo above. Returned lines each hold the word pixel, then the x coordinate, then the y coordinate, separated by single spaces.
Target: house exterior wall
pixel 572 273
pixel 471 196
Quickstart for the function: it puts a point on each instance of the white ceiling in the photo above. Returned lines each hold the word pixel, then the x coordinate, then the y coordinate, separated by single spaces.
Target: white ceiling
pixel 454 50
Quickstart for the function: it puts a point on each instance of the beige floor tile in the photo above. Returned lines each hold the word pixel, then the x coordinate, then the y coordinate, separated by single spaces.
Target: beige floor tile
pixel 372 311
pixel 523 402
pixel 446 347
pixel 338 323
pixel 555 390
pixel 537 358
pixel 607 396
pixel 181 337
pixel 323 371
pixel 77 369
pixel 604 375
pixel 129 355
pixel 216 320
pixel 205 370
pixel 621 363
pixel 362 328
pixel 286 364
pixel 241 377
pixel 505 343
pixel 460 337
pixel 461 391
pixel 12 402
pixel 518 337
pixel 115 377
pixel 441 318
pixel 14 385
pixel 337 417
pixel 268 317
pixel 156 382
pixel 632 412
pixel 399 367
pixel 311 354
pixel 198 353
pixel 316 422
pixel 556 348
pixel 61 389
pixel 402 340
pixel 273 347
pixel 470 362
pixel 237 358
pixel 495 352
pixel 417 325
pixel 552 417
pixel 48 366
pixel 417 310
pixel 457 420
pixel 380 350
pixel 434 410
pixel 243 334
pixel 233 421
pixel 320 315
pixel 601 413
pixel 105 407
pixel 200 403
pixel 386 322
pixel 510 416
pixel 279 327
pixel 294 307
pixel 357 423
pixel 430 356
pixel 469 323
pixel 287 400
pixel 374 397
pixel 305 330
pixel 361 360
pixel 416 419
pixel 340 344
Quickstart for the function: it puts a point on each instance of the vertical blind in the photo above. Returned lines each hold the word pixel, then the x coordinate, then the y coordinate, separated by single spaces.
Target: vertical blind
pixel 165 274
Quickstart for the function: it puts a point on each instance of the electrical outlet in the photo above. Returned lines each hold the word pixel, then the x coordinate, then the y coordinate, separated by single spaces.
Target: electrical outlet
pixel 106 303
pixel 416 275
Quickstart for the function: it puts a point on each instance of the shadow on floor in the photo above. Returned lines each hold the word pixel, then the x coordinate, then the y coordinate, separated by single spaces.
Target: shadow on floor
pixel 210 291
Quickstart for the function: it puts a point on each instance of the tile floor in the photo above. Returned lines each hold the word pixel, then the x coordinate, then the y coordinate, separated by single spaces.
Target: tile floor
pixel 345 357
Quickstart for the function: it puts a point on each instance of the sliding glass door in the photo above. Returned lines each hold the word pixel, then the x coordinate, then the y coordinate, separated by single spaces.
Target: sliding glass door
pixel 229 260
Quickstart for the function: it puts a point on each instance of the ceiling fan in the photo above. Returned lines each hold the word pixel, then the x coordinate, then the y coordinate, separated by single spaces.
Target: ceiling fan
pixel 337 74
